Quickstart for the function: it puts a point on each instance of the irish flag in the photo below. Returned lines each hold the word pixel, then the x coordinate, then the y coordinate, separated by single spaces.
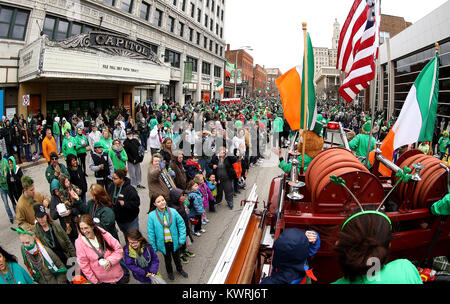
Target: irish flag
pixel 292 92
pixel 416 120
pixel 220 87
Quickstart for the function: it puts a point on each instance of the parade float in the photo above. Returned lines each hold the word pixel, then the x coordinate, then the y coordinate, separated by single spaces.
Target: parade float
pixel 311 201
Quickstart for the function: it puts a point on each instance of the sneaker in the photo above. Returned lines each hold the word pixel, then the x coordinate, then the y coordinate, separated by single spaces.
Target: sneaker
pixel 183 273
pixel 171 276
pixel 183 260
pixel 202 230
pixel 231 206
pixel 140 187
pixel 197 233
pixel 206 220
pixel 11 221
pixel 189 254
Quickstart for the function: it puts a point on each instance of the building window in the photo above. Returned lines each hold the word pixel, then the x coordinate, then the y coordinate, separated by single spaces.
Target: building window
pixel 174 2
pixel 217 48
pixel 207 3
pixel 198 38
pixel 206 20
pixel 218 11
pixel 145 11
pixel 205 42
pixel 157 18
pixel 194 63
pixel 110 2
pixel 211 24
pixel 221 15
pixel 212 6
pixel 221 51
pixel 127 5
pixel 191 34
pixel 217 29
pixel 171 24
pixel 181 28
pixel 221 32
pixel 192 10
pixel 217 71
pixel 173 58
pixel 60 29
pixel 13 23
pixel 210 45
pixel 183 5
pixel 199 15
pixel 206 68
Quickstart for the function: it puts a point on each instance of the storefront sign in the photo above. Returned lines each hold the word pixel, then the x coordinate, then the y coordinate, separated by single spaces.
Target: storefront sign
pixel 10 112
pixel 26 100
pixel 206 96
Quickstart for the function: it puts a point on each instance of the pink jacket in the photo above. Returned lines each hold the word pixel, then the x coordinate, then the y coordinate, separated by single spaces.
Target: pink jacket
pixel 206 193
pixel 88 260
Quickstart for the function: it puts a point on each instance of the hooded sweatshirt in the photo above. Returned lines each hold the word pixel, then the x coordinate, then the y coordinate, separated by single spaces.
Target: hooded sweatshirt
pixel 119 157
pixel 291 251
pixel 14 177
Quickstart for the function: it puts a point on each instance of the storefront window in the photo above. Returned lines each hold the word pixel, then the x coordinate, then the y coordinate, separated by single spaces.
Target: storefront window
pixel 173 58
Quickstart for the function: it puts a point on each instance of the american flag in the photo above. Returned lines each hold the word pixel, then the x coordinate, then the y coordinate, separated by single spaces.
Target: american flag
pixel 358 46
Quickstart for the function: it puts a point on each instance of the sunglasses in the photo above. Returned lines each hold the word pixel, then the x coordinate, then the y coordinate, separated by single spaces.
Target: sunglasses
pixel 54 158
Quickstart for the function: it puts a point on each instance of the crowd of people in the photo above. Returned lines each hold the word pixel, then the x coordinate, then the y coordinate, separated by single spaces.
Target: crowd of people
pixel 200 155
pixel 197 159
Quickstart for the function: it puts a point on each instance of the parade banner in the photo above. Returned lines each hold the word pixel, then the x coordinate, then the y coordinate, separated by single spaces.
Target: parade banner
pixel 187 72
pixel 416 120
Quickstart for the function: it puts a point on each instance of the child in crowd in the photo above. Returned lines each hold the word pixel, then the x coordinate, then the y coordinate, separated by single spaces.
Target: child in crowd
pixel 140 257
pixel 196 206
pixel 212 184
pixel 208 198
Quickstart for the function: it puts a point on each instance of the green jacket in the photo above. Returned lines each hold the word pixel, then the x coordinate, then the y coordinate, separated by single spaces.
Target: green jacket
pixel 278 125
pixel 106 143
pixel 61 236
pixel 81 143
pixel 56 130
pixel 286 167
pixel 105 215
pixel 68 146
pixel 360 143
pixel 66 126
pixel 4 167
pixel 443 143
pixel 50 172
pixel 441 207
pixel 118 163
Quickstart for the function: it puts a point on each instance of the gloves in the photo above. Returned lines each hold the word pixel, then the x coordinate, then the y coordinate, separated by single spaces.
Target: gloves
pixel 162 164
pixel 119 156
pixel 171 173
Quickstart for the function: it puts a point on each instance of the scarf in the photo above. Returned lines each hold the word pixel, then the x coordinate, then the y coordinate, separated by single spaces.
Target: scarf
pixel 161 221
pixel 166 179
pixel 45 258
pixel 191 163
pixel 140 259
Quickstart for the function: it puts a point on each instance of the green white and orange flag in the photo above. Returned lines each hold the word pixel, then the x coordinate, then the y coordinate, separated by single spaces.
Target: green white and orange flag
pixel 292 92
pixel 417 117
pixel 220 87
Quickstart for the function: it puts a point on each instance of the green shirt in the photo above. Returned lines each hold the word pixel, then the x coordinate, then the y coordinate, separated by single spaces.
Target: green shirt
pixel 400 271
pixel 286 167
pixel 360 143
pixel 81 143
pixel 441 207
pixel 56 130
pixel 68 146
pixel 443 143
pixel 106 143
pixel 65 127
pixel 118 163
pixel 278 125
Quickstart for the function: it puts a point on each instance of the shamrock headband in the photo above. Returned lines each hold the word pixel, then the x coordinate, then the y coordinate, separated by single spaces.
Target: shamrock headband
pixel 20 231
pixel 367 212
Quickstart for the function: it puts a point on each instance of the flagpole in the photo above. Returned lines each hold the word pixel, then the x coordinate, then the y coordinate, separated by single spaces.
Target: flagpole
pixel 305 102
pixel 374 95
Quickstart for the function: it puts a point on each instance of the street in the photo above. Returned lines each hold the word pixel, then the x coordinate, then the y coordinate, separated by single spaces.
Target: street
pixel 207 248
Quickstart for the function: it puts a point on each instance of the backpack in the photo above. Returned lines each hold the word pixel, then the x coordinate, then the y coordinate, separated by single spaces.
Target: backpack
pixel 141 153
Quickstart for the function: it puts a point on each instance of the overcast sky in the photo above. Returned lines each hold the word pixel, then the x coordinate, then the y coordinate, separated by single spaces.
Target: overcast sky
pixel 273 28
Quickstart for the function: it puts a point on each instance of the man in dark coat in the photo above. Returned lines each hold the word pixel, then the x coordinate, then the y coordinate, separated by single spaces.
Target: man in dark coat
pixel 131 146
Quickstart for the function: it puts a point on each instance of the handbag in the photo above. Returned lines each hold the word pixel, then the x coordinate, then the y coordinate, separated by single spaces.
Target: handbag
pixel 157 280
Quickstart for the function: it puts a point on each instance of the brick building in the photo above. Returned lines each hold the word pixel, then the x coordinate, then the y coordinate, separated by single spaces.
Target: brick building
pixel 259 80
pixel 271 88
pixel 244 62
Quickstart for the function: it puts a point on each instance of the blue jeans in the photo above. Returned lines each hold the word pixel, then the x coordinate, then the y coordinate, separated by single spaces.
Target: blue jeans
pixel 4 194
pixel 27 152
pixel 144 139
pixel 58 143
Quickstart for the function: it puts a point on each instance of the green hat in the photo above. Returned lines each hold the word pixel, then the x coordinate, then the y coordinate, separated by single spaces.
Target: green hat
pixel 318 128
pixel 153 123
pixel 98 144
pixel 367 127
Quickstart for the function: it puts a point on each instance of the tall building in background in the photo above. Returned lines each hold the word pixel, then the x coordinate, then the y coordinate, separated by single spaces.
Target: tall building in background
pixel 80 54
pixel 272 75
pixel 244 70
pixel 326 76
pixel 259 81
